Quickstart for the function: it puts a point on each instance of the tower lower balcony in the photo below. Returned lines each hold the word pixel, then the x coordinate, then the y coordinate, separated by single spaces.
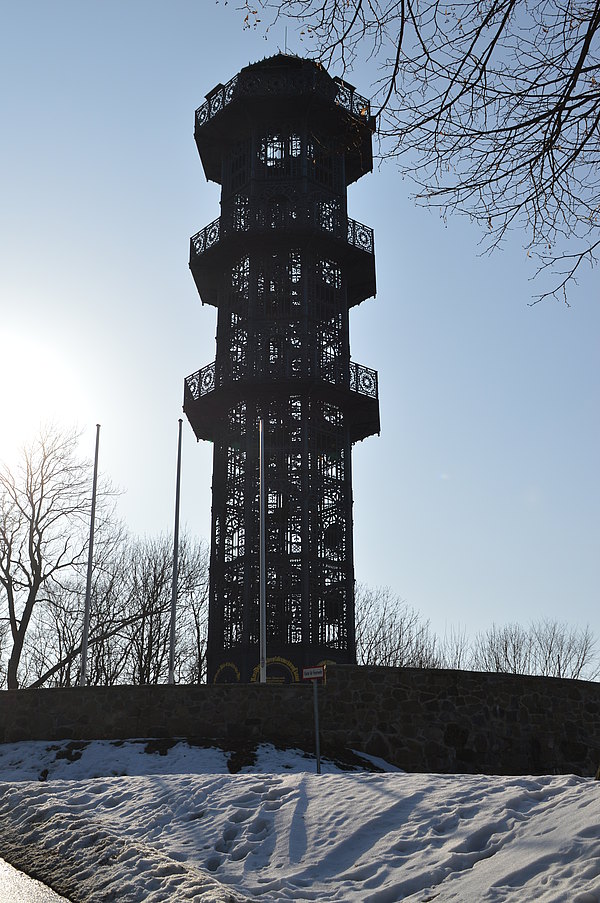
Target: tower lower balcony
pixel 209 393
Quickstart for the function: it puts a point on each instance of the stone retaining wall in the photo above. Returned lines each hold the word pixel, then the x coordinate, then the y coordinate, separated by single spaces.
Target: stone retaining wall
pixel 420 720
pixel 280 714
pixel 466 721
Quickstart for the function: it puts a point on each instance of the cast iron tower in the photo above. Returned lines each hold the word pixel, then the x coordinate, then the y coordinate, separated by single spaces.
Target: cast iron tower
pixel 283 264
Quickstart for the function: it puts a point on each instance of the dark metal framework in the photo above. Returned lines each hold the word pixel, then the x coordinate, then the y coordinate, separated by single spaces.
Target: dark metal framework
pixel 283 264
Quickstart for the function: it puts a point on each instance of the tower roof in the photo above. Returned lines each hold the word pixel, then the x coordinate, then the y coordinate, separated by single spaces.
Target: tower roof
pixel 279 87
pixel 290 60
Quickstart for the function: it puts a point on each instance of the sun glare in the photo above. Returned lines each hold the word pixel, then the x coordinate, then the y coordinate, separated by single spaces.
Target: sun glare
pixel 37 387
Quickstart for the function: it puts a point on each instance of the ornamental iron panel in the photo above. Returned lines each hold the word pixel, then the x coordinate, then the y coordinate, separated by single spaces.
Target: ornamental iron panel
pixel 262 218
pixel 357 378
pixel 285 84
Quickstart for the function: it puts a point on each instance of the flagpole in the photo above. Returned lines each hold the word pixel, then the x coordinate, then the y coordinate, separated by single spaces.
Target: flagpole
pixel 175 562
pixel 263 592
pixel 88 585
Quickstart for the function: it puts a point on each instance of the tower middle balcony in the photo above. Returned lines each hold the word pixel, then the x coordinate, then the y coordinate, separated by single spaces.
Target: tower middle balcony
pixel 212 390
pixel 243 229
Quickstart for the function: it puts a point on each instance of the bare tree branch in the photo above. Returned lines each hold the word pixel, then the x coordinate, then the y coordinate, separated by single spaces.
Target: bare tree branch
pixel 493 109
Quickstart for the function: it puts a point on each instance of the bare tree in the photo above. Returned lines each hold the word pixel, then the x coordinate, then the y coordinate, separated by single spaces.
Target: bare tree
pixel 563 651
pixel 149 601
pixel 546 647
pixel 149 604
pixel 493 108
pixel 129 619
pixel 52 654
pixel 506 649
pixel 455 650
pixel 390 632
pixel 44 522
pixel 190 658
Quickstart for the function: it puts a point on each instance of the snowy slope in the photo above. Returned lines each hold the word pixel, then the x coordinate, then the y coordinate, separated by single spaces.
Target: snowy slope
pixel 119 824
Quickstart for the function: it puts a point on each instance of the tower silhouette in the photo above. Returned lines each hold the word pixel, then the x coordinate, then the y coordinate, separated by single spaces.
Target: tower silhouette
pixel 283 264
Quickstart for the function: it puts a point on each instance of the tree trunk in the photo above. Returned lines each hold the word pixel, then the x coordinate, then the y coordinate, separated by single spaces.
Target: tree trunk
pixel 13 663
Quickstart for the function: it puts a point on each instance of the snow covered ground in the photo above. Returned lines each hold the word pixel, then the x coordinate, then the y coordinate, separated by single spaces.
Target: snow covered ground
pixel 139 822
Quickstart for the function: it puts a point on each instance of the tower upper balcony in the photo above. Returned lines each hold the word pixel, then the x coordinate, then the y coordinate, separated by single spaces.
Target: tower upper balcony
pixel 291 87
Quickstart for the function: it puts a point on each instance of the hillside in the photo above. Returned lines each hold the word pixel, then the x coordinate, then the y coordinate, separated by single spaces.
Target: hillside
pixel 159 822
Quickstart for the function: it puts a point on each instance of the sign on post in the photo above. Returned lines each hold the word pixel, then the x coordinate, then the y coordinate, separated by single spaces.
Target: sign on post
pixel 315 674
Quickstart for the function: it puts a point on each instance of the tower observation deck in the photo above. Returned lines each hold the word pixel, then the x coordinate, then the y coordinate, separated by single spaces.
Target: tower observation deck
pixel 282 264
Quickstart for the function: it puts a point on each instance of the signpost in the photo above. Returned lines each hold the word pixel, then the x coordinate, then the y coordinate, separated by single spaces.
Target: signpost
pixel 315 674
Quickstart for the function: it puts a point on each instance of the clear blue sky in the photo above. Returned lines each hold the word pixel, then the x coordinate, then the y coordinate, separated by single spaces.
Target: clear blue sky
pixel 480 500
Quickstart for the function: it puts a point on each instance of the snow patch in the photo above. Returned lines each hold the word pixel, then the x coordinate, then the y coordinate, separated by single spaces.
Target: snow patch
pixel 119 822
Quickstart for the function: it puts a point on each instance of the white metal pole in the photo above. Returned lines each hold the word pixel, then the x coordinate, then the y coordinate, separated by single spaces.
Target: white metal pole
pixel 315 684
pixel 175 562
pixel 88 585
pixel 263 592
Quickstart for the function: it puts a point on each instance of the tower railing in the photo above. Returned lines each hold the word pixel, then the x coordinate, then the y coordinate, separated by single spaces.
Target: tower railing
pixel 267 218
pixel 287 83
pixel 357 378
pixel 363 380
